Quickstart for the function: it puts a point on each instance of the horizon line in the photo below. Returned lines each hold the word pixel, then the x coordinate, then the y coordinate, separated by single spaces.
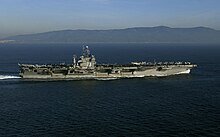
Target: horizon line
pixel 110 29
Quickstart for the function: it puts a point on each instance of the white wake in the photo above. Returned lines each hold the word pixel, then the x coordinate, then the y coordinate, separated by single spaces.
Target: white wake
pixel 105 79
pixel 8 77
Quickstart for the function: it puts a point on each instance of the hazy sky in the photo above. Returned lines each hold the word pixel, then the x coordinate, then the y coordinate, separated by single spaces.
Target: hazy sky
pixel 32 16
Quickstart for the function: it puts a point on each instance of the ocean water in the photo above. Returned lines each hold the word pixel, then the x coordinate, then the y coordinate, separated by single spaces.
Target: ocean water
pixel 183 105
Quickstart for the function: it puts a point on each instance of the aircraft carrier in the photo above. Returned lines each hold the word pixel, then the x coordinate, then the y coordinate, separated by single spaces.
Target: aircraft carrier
pixel 85 67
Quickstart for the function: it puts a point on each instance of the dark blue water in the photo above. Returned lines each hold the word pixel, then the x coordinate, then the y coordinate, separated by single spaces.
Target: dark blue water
pixel 186 105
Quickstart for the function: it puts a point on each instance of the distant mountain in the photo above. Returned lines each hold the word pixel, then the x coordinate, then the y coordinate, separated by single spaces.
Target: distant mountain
pixel 138 34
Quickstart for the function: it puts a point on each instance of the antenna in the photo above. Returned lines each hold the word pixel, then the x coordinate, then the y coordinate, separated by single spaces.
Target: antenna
pixel 86 52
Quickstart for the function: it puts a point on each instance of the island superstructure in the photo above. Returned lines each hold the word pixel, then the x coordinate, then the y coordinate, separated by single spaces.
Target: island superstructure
pixel 86 68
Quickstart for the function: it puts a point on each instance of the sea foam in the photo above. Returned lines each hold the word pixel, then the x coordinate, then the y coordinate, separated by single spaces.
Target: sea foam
pixel 8 77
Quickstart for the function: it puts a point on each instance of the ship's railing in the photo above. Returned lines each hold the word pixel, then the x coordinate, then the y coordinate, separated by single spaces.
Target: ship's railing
pixel 133 64
pixel 161 63
pixel 45 65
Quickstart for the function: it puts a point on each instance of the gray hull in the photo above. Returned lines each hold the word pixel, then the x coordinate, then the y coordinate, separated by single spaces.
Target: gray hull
pixel 147 72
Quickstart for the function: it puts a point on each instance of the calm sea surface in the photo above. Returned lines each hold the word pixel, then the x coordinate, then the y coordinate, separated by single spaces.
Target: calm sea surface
pixel 186 105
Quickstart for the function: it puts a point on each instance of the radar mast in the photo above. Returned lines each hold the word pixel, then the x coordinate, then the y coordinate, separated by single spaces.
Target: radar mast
pixel 86 52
